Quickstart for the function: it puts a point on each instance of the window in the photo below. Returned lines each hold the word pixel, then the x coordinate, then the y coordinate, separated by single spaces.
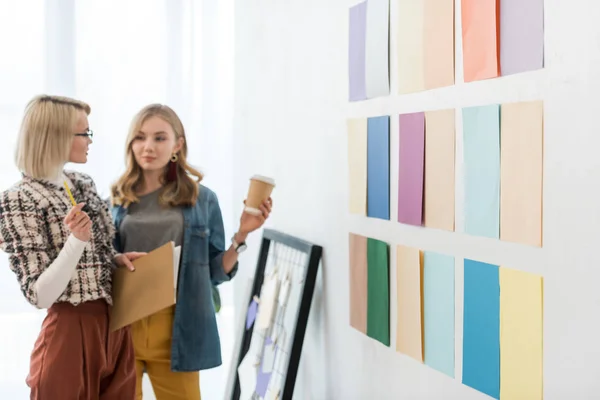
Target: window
pixel 118 56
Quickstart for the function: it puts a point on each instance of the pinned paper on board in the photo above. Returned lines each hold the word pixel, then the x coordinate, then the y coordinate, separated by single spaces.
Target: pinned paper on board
pixel 268 357
pixel 411 168
pixel 247 374
pixel 284 292
pixel 479 36
pixel 521 172
pixel 409 331
pixel 481 149
pixel 265 370
pixel 357 165
pixel 251 315
pixel 267 301
pixel 439 170
pixel 521 342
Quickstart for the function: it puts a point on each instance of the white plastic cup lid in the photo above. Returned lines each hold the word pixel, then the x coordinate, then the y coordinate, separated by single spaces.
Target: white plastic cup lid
pixel 265 179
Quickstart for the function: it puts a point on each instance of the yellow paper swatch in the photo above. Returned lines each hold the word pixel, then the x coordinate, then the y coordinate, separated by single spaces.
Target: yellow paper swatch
pixel 410 46
pixel 409 331
pixel 521 163
pixel 357 165
pixel 521 335
pixel 439 169
pixel 438 43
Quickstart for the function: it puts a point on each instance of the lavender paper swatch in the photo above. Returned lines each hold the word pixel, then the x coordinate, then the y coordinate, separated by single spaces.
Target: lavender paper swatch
pixel 356 52
pixel 410 169
pixel 263 378
pixel 251 316
pixel 521 36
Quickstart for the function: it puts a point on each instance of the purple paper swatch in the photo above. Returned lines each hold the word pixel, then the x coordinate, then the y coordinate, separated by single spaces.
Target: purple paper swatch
pixel 262 379
pixel 356 52
pixel 521 36
pixel 410 168
pixel 251 316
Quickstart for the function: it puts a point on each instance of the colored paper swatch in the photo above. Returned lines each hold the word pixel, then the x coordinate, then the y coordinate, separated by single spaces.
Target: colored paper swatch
pixel 358 282
pixel 356 51
pixel 411 168
pixel 438 310
pixel 264 372
pixel 377 49
pixel 439 170
pixel 481 149
pixel 410 46
pixel 378 167
pixel 521 36
pixel 479 36
pixel 438 42
pixel 521 344
pixel 409 331
pixel 251 314
pixel 481 328
pixel 378 297
pixel 521 172
pixel 357 165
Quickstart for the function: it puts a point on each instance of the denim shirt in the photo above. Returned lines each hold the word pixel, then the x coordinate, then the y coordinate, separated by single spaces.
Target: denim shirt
pixel 196 344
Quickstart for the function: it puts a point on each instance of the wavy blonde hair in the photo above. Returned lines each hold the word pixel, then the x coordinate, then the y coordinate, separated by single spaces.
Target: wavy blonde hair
pixel 183 191
pixel 46 134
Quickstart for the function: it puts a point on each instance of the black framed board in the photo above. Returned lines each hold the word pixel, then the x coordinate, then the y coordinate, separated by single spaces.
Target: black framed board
pixel 270 332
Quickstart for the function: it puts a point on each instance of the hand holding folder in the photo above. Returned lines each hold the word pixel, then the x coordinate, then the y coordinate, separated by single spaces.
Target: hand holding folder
pixel 150 288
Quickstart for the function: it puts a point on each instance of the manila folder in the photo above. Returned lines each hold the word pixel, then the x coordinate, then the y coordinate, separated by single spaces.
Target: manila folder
pixel 145 291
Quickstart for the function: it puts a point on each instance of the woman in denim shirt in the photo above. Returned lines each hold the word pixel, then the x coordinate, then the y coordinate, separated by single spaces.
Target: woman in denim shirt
pixel 159 199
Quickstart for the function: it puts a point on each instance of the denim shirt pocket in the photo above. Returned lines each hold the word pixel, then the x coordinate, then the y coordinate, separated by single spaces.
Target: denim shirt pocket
pixel 199 245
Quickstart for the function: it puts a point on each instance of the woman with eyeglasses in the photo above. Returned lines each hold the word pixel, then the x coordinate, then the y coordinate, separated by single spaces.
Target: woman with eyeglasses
pixel 160 199
pixel 63 258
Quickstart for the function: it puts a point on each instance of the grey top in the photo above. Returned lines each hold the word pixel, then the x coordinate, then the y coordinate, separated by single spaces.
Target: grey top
pixel 148 226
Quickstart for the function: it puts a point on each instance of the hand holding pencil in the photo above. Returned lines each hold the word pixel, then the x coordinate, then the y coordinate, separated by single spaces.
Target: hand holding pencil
pixel 78 222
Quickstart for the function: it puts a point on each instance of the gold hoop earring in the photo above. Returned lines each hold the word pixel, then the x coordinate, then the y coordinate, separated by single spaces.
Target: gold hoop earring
pixel 174 157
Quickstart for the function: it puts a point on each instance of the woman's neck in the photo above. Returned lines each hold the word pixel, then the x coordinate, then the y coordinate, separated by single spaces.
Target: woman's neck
pixel 150 182
pixel 57 177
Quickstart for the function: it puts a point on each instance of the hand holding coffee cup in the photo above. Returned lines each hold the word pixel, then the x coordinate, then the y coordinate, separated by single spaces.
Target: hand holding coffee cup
pixel 259 191
pixel 258 204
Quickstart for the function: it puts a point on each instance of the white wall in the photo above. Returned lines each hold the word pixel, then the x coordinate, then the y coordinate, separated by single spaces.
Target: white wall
pixel 290 111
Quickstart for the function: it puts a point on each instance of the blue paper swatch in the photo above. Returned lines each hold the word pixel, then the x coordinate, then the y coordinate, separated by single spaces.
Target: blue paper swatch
pixel 481 136
pixel 378 167
pixel 481 329
pixel 438 303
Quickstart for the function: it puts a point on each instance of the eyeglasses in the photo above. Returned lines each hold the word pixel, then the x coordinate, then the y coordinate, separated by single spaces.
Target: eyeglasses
pixel 89 134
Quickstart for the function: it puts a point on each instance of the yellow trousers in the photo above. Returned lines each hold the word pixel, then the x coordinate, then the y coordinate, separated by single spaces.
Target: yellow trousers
pixel 152 344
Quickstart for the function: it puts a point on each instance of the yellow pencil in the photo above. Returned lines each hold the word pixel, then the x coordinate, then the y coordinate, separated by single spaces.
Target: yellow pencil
pixel 70 194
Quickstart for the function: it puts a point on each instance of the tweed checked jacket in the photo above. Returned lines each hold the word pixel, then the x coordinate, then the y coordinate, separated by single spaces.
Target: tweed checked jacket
pixel 32 232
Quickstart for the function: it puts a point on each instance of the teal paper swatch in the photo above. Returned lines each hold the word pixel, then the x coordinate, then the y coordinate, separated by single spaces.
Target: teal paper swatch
pixel 438 293
pixel 481 138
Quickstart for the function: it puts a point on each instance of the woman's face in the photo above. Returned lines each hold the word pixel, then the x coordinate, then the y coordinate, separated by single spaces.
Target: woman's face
pixel 80 144
pixel 154 144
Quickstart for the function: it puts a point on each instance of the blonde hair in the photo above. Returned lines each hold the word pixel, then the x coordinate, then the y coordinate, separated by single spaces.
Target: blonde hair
pixel 183 191
pixel 46 134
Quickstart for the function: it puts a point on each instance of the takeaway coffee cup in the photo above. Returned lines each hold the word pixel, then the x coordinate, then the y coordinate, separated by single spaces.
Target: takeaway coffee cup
pixel 260 189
